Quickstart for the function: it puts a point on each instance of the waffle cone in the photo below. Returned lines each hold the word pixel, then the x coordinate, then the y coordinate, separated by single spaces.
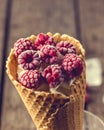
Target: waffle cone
pixel 52 111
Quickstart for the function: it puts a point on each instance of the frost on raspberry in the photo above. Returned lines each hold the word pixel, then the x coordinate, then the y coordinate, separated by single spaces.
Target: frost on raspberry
pixel 54 75
pixel 22 45
pixel 65 47
pixel 30 79
pixel 73 65
pixel 43 39
pixel 29 59
pixel 49 54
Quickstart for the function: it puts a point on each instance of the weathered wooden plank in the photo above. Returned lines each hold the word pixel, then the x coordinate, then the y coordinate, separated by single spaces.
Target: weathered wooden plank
pixel 28 18
pixel 2 24
pixel 92 25
pixel 2 21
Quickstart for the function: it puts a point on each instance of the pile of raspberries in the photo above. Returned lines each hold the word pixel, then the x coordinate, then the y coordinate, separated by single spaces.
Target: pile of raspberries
pixel 46 60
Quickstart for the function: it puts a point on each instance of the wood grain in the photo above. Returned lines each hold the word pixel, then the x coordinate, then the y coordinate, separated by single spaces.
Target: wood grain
pixel 92 28
pixel 2 34
pixel 2 24
pixel 32 17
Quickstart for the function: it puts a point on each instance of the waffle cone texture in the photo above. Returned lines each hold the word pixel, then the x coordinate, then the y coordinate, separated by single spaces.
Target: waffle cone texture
pixel 53 111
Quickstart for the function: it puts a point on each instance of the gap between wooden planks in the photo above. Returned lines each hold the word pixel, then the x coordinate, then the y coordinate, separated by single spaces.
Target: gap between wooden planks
pixel 3 11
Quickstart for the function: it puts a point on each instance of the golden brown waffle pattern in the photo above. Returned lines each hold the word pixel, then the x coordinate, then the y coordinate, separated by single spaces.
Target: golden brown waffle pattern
pixel 53 111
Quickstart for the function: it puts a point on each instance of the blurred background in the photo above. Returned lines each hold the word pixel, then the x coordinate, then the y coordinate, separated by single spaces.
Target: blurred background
pixel 81 19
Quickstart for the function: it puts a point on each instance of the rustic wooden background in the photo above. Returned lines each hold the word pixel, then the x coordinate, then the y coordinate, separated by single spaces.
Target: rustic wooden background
pixel 83 19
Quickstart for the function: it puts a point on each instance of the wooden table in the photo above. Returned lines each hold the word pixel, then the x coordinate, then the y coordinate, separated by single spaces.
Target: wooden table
pixel 83 19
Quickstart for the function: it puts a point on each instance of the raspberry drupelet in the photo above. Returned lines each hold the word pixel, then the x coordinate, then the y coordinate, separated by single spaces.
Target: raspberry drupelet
pixel 43 39
pixel 72 64
pixel 65 47
pixel 29 59
pixel 54 75
pixel 22 45
pixel 30 79
pixel 49 54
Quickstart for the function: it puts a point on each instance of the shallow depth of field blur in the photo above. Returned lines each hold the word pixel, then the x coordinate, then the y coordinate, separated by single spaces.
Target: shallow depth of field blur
pixel 81 19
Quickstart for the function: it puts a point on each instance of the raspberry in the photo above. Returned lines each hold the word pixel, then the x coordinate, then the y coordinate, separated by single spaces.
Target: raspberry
pixel 87 98
pixel 65 47
pixel 29 59
pixel 53 75
pixel 43 39
pixel 72 64
pixel 49 54
pixel 22 45
pixel 30 79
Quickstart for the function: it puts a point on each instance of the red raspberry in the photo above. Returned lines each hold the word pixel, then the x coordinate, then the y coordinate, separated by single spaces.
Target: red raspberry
pixel 22 45
pixel 43 39
pixel 49 54
pixel 65 47
pixel 30 79
pixel 53 75
pixel 72 64
pixel 87 98
pixel 29 59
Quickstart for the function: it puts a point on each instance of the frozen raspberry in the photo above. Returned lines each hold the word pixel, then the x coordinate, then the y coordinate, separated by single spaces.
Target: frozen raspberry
pixel 72 64
pixel 43 39
pixel 87 98
pixel 30 79
pixel 22 45
pixel 65 47
pixel 49 54
pixel 29 59
pixel 53 75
